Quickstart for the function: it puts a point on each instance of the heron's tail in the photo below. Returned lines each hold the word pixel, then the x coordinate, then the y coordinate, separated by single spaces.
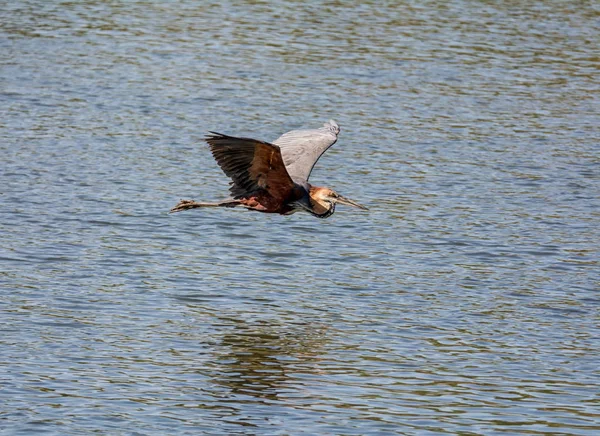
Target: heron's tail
pixel 191 204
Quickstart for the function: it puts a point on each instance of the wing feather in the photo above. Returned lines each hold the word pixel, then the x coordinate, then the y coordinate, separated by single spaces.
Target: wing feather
pixel 301 149
pixel 252 166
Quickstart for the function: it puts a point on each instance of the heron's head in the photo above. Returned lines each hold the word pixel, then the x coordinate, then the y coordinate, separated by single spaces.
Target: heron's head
pixel 325 199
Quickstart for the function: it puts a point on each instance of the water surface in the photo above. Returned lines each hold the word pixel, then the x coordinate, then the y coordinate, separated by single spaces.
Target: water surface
pixel 465 302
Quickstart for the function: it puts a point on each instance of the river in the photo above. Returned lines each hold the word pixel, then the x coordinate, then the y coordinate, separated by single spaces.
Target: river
pixel 465 301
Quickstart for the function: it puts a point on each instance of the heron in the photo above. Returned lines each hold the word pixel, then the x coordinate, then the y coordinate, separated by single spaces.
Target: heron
pixel 273 177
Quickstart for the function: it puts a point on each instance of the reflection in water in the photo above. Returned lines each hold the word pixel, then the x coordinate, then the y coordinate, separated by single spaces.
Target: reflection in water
pixel 257 360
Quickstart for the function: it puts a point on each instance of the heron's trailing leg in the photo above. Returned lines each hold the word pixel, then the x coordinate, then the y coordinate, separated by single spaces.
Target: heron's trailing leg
pixel 191 204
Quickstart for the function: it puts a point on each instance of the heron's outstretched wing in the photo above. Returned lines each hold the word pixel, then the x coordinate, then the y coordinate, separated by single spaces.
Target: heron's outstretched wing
pixel 252 165
pixel 301 149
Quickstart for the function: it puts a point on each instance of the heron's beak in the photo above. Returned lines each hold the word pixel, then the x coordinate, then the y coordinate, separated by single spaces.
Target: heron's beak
pixel 348 202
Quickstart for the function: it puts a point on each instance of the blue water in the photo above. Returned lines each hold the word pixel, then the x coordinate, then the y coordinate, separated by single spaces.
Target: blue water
pixel 464 302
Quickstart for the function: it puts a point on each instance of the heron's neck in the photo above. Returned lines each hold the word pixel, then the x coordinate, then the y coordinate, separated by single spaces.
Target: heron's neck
pixel 321 208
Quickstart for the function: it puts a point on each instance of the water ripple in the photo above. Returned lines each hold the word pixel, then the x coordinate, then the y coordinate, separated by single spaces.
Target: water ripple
pixel 464 302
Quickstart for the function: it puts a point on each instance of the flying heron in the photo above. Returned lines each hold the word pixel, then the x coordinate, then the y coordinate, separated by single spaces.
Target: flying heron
pixel 273 177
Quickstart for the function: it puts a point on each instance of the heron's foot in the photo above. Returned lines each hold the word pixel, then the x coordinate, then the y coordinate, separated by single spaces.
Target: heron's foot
pixel 183 205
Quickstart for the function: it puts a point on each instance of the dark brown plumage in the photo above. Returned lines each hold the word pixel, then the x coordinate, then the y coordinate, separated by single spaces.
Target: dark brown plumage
pixel 252 166
pixel 262 182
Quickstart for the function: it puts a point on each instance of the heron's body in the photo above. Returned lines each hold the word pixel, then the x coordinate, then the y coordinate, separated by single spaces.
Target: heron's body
pixel 273 177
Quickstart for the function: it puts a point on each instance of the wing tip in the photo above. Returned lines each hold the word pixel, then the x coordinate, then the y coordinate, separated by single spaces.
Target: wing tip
pixel 214 135
pixel 333 127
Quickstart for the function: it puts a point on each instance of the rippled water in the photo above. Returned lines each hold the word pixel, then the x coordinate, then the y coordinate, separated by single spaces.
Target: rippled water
pixel 466 301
